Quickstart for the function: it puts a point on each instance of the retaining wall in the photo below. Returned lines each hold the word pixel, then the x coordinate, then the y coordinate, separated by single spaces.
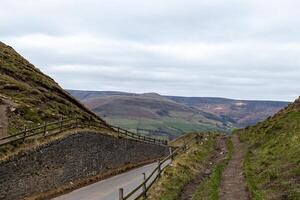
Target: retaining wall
pixel 75 157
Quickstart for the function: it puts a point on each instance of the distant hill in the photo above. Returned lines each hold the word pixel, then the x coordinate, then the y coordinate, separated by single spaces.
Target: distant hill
pixel 173 115
pixel 28 97
pixel 241 112
pixel 273 162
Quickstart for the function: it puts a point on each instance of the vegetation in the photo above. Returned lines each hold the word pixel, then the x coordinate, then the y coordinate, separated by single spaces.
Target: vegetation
pixel 272 164
pixel 165 126
pixel 172 116
pixel 208 189
pixel 184 168
pixel 32 96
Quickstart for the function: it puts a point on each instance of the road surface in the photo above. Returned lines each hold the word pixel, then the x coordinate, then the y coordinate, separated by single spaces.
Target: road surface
pixel 108 189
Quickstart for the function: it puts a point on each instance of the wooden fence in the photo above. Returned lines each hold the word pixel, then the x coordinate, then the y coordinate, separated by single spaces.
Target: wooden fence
pixel 68 124
pixel 147 183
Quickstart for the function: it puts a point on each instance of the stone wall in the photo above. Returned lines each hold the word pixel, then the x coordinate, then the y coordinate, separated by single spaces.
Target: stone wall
pixel 75 157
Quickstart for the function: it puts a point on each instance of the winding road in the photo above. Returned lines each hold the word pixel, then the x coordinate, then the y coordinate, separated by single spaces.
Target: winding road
pixel 108 189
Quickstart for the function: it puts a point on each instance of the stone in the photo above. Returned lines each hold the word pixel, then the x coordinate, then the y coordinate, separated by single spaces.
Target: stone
pixel 76 157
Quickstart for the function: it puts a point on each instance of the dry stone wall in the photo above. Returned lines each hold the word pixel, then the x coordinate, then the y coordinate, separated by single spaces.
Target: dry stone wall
pixel 70 159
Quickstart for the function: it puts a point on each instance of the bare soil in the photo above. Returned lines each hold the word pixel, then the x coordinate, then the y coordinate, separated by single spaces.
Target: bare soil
pixel 218 155
pixel 233 185
pixel 3 121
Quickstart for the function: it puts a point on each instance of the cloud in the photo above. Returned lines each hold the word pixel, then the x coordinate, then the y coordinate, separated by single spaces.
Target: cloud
pixel 236 49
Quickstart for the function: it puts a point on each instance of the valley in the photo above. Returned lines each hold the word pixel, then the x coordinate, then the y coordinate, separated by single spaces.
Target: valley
pixel 171 116
pixel 194 148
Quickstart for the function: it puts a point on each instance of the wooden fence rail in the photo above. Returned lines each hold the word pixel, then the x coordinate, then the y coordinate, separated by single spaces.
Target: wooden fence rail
pixel 67 124
pixel 147 183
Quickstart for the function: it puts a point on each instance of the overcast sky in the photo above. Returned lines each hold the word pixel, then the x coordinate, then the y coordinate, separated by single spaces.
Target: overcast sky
pixel 223 48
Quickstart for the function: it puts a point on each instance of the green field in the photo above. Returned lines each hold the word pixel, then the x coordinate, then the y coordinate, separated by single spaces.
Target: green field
pixel 174 127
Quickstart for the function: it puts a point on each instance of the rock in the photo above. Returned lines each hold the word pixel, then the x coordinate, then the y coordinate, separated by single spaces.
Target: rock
pixel 207 172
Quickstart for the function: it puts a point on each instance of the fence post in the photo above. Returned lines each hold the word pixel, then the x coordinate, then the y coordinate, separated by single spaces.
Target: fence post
pixel 144 185
pixel 171 153
pixel 61 124
pixel 76 122
pixel 159 168
pixel 45 128
pixel 25 131
pixel 89 122
pixel 121 194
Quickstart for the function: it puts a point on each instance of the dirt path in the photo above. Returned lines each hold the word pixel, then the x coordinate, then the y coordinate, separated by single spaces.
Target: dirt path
pixel 3 121
pixel 218 155
pixel 233 186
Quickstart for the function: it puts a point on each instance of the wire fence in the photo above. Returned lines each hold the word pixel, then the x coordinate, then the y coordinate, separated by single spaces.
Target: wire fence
pixel 142 189
pixel 63 125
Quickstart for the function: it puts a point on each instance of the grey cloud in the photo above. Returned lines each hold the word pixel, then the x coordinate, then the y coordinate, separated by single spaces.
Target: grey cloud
pixel 230 48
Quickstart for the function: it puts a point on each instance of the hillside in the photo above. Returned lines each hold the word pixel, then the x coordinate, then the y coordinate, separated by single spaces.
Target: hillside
pixel 150 113
pixel 28 97
pixel 154 113
pixel 272 164
pixel 173 115
pixel 241 112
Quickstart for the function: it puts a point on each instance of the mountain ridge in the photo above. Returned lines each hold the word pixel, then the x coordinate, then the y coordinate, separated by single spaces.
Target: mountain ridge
pixel 217 113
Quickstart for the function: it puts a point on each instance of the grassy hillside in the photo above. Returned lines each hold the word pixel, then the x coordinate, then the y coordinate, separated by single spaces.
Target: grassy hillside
pixel 240 112
pixel 184 168
pixel 152 114
pixel 273 161
pixel 32 97
pixel 171 116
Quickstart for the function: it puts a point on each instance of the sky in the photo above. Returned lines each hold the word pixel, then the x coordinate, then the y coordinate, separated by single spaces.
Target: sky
pixel 242 49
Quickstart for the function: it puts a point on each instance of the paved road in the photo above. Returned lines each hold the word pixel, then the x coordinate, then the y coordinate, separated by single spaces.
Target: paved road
pixel 108 189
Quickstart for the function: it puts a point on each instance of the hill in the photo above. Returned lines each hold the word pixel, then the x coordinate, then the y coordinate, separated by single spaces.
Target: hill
pixel 169 115
pixel 241 112
pixel 272 164
pixel 28 97
pixel 150 113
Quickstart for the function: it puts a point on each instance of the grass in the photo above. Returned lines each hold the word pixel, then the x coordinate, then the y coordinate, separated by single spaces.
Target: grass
pixel 273 159
pixel 34 96
pixel 170 127
pixel 184 168
pixel 208 189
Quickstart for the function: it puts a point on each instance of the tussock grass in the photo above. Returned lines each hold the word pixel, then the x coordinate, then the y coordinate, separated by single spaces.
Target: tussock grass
pixel 273 159
pixel 184 168
pixel 34 96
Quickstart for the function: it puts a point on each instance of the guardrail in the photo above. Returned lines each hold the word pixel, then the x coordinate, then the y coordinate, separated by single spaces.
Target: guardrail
pixel 147 183
pixel 67 124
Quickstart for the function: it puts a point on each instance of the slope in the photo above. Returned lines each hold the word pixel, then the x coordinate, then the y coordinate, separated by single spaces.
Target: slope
pixel 154 114
pixel 171 115
pixel 272 164
pixel 31 96
pixel 241 112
